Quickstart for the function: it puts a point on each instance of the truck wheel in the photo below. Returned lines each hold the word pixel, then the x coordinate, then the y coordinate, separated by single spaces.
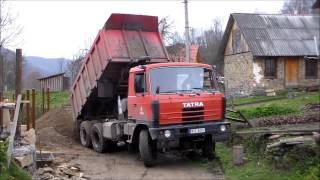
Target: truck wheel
pixel 208 147
pixel 85 137
pixel 98 142
pixel 147 148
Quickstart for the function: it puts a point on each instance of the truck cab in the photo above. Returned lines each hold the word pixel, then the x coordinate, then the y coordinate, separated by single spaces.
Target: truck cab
pixel 179 104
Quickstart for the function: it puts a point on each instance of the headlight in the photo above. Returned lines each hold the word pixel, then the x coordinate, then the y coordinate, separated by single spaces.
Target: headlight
pixel 223 128
pixel 167 133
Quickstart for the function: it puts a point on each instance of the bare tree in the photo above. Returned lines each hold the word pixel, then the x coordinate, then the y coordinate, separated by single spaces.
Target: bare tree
pixel 74 65
pixel 209 41
pixel 193 36
pixel 297 7
pixel 165 26
pixel 61 64
pixel 8 34
pixel 31 81
pixel 176 46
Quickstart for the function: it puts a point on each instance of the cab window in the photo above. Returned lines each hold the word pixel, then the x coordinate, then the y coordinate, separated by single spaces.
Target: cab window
pixel 140 83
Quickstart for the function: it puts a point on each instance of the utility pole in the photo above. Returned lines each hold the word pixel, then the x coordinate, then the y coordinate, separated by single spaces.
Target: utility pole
pixel 187 42
pixel 1 57
pixel 1 72
pixel 316 45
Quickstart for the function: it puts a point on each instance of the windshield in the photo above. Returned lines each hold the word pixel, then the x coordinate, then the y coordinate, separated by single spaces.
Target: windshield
pixel 181 79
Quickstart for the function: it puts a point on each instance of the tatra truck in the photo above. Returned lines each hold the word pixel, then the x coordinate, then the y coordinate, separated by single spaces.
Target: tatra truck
pixel 128 91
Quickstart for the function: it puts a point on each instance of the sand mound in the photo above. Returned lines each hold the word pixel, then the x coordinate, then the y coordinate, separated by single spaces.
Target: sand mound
pixel 49 137
pixel 55 127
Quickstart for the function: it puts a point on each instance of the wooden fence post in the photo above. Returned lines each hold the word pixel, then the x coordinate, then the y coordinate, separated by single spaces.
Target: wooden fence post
pixel 33 108
pixel 42 104
pixel 238 155
pixel 18 71
pixel 28 110
pixel 1 112
pixel 48 99
pixel 19 123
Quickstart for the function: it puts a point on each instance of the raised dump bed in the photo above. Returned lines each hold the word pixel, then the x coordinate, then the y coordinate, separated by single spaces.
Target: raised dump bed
pixel 123 41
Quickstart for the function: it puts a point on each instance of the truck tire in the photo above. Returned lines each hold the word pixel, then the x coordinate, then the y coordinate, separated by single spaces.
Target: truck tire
pixel 147 148
pixel 208 147
pixel 98 142
pixel 85 134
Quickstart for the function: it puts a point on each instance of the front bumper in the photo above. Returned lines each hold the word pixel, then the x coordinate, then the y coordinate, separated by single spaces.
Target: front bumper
pixel 183 131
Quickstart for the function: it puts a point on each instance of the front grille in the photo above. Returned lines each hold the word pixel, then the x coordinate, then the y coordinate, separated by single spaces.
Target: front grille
pixel 192 115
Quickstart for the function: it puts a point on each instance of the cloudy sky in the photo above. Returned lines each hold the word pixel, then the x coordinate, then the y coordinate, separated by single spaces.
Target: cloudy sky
pixel 60 28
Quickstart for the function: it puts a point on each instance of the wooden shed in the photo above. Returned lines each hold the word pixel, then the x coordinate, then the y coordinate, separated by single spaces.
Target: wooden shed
pixel 56 82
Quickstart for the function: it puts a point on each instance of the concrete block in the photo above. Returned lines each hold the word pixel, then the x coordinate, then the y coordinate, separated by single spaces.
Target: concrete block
pixel 24 161
pixel 29 137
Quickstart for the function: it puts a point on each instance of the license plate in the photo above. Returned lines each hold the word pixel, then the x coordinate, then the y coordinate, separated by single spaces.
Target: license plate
pixel 197 131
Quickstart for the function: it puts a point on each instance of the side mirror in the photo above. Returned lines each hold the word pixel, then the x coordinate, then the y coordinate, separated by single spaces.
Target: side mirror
pixel 158 90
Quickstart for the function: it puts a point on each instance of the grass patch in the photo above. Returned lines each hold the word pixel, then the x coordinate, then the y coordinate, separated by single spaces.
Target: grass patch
pixel 14 172
pixel 255 99
pixel 257 167
pixel 57 99
pixel 267 110
pixel 279 107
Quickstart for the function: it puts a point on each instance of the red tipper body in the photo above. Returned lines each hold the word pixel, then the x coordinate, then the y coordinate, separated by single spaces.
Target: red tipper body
pixel 123 39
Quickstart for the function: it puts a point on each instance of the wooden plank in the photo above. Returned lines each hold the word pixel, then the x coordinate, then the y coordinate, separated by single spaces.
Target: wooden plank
pixel 278 131
pixel 7 105
pixel 25 101
pixel 243 118
pixel 13 130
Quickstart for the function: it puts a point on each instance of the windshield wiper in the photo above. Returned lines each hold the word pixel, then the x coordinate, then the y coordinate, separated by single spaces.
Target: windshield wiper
pixel 197 89
pixel 168 92
pixel 184 90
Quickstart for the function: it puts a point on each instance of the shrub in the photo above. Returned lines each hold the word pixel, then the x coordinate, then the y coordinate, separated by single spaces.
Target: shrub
pixel 267 110
pixel 14 172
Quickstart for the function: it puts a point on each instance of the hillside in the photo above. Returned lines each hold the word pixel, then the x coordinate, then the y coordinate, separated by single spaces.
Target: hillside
pixel 45 66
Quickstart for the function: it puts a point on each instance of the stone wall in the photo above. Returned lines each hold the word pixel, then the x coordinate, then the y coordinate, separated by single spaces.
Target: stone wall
pixel 278 83
pixel 244 75
pixel 238 73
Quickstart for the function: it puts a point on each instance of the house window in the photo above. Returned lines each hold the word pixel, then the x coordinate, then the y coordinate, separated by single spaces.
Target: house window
pixel 236 41
pixel 311 68
pixel 270 68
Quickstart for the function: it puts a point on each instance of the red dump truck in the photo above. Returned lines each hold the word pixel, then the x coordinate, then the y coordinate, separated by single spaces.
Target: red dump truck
pixel 127 90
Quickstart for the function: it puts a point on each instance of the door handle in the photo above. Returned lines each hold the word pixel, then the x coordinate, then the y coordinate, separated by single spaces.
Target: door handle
pixel 134 105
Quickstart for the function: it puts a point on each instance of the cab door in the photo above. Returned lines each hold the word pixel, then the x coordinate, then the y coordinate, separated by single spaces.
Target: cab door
pixel 137 103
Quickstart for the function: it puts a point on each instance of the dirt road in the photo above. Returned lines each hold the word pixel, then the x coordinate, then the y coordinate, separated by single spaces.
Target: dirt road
pixel 123 165
pixel 54 131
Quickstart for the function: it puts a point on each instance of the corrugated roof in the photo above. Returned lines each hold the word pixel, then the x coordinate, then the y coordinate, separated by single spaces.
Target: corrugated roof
pixel 278 35
pixel 51 76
